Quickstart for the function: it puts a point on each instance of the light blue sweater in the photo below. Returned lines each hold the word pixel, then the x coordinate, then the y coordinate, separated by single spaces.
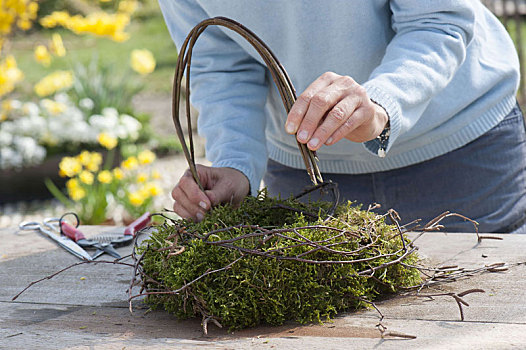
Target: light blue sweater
pixel 445 71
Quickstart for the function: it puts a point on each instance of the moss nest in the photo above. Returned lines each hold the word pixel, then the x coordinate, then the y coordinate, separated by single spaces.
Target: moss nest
pixel 272 260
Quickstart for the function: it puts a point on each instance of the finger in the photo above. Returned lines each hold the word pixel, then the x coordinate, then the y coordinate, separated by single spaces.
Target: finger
pixel 191 188
pixel 195 199
pixel 179 206
pixel 323 102
pixel 179 210
pixel 298 110
pixel 357 128
pixel 334 119
pixel 222 192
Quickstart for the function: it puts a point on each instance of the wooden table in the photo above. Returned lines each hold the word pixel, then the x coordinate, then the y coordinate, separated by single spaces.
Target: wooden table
pixel 86 307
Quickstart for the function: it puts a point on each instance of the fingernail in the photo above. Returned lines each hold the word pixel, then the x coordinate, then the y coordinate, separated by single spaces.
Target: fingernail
pixel 313 143
pixel 202 205
pixel 303 135
pixel 199 216
pixel 329 141
pixel 290 127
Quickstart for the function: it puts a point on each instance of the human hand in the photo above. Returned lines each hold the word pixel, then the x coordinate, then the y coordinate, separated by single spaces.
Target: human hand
pixel 222 185
pixel 335 107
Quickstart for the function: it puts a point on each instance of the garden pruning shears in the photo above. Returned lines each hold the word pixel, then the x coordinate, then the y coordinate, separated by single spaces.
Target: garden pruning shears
pixel 51 231
pixel 106 242
pixel 121 238
pixel 76 235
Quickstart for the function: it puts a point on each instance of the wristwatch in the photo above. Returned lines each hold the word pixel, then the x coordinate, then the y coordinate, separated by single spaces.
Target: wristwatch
pixel 383 139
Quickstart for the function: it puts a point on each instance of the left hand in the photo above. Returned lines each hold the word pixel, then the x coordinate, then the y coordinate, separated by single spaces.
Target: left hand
pixel 335 107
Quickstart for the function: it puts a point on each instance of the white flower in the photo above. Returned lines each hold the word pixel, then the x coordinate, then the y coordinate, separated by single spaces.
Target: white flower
pixel 30 108
pixel 5 138
pixel 33 125
pixel 10 159
pixel 8 126
pixel 15 104
pixel 57 122
pixel 105 123
pixel 110 112
pixel 131 125
pixel 62 98
pixel 86 103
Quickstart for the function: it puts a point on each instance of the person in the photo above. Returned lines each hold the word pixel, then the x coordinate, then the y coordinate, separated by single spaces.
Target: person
pixel 408 103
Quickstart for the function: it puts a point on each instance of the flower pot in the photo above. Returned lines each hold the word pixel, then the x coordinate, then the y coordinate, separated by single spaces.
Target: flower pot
pixel 27 184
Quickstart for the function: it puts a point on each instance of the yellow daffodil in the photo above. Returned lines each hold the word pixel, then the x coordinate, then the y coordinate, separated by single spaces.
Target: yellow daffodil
pixel 54 82
pixel 153 189
pixel 105 177
pixel 24 24
pixel 107 141
pixel 156 175
pixel 98 23
pixel 69 166
pixel 136 198
pixel 42 55
pixel 130 163
pixel 77 193
pixel 84 157
pixel 118 173
pixel 142 61
pixel 146 157
pixel 86 177
pixel 6 106
pixel 32 10
pixel 128 6
pixel 53 107
pixel 94 162
pixel 142 177
pixel 10 75
pixel 57 45
pixel 72 184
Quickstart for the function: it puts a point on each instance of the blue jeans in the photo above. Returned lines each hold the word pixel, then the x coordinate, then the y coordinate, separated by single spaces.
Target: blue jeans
pixel 484 180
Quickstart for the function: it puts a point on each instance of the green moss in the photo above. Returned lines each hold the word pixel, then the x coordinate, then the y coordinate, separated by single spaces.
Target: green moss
pixel 274 288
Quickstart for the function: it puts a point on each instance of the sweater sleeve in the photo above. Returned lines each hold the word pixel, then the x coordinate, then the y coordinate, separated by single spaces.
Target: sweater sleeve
pixel 429 45
pixel 228 88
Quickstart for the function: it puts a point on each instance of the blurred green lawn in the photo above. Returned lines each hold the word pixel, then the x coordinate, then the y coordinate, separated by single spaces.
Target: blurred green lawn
pixel 147 31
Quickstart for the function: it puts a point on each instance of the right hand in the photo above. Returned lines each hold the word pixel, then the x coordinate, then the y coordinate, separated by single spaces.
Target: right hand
pixel 222 185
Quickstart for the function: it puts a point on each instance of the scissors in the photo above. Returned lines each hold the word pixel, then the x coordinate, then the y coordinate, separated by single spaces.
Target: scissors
pixel 48 229
pixel 120 238
pixel 106 242
pixel 76 235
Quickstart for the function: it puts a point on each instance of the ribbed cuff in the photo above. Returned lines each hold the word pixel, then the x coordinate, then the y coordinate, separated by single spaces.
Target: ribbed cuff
pixel 394 114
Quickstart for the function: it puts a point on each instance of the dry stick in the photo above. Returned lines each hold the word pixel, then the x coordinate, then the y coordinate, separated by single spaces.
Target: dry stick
pixel 114 262
pixel 457 297
pixel 134 275
pixel 277 71
pixel 179 290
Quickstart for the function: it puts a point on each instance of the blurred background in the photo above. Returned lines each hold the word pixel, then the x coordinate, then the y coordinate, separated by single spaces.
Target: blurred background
pixel 85 107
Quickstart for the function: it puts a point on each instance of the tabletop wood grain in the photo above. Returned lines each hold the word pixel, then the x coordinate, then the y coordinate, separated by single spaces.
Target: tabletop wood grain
pixel 86 307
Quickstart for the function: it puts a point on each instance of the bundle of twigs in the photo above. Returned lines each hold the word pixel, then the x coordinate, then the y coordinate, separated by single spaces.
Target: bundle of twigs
pixel 279 75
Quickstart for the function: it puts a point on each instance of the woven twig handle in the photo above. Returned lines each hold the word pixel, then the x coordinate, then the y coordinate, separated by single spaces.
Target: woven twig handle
pixel 279 75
